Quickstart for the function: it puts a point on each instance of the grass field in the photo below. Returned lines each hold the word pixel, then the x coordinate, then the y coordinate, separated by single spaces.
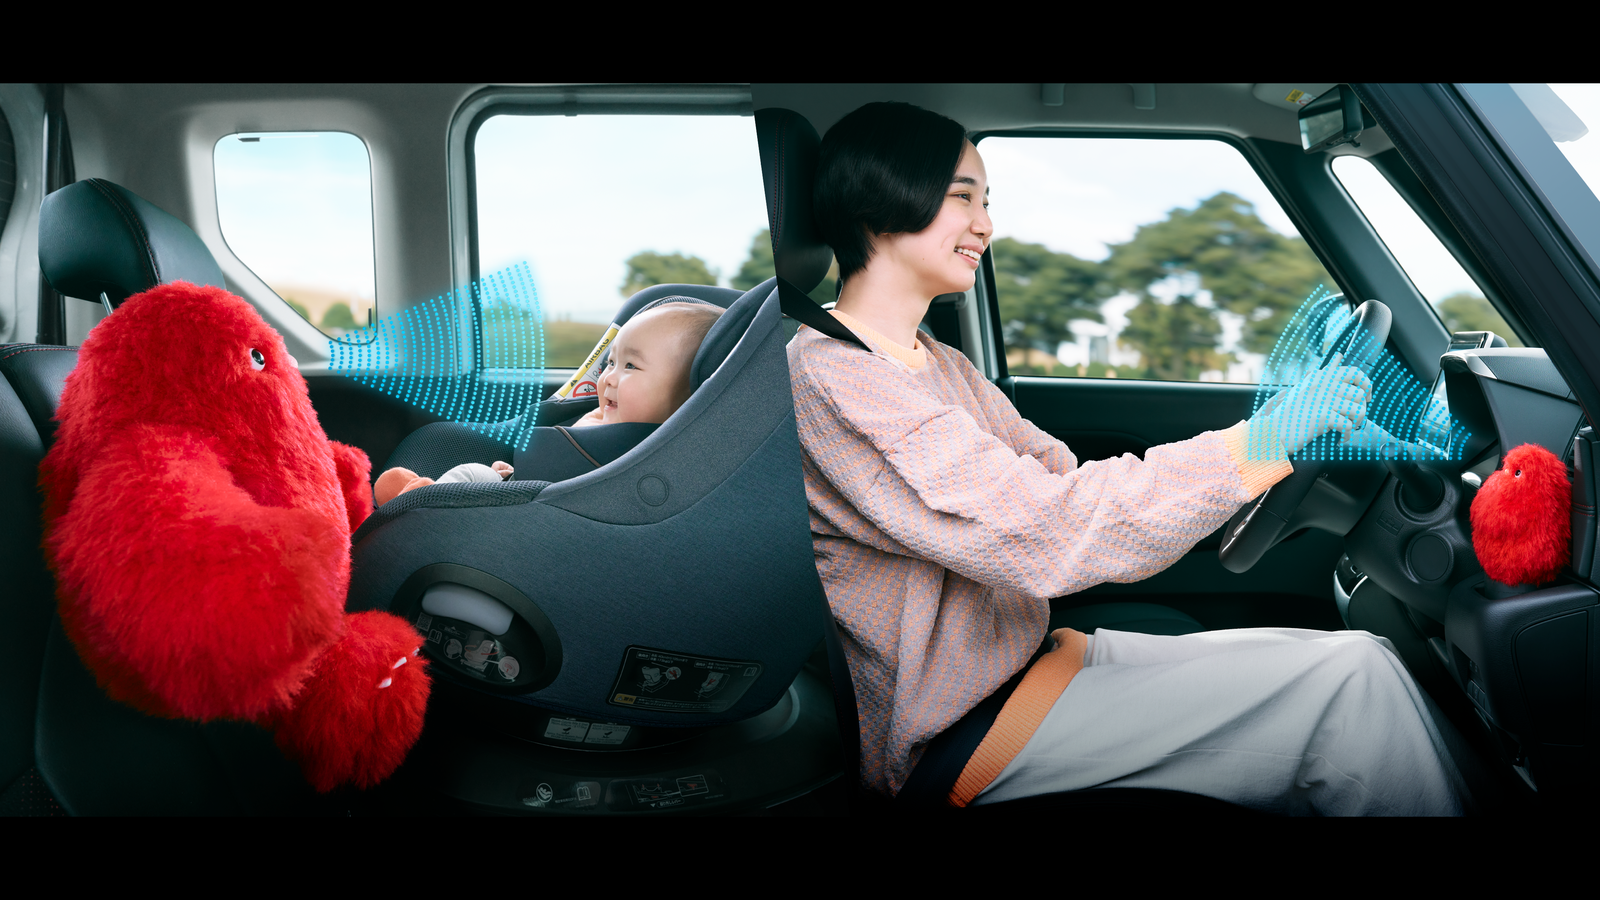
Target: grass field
pixel 508 342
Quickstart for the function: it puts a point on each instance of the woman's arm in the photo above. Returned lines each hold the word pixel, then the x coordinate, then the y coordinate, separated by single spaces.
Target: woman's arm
pixel 933 480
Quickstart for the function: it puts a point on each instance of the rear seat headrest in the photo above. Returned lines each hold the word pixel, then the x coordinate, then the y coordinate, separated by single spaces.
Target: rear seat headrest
pixel 97 237
pixel 789 147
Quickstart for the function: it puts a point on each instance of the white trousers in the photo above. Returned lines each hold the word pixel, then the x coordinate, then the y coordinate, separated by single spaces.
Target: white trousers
pixel 1284 720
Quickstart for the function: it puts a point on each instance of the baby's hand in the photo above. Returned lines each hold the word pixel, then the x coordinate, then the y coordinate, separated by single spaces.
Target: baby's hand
pixel 502 469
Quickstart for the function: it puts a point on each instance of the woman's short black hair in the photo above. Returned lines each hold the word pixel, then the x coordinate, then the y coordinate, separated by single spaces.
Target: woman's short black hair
pixel 883 169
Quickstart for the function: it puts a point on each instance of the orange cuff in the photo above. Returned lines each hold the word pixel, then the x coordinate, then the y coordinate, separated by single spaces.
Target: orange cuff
pixel 1270 465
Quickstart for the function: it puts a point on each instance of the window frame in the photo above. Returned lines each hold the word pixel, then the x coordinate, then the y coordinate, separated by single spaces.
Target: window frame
pixel 555 100
pixel 1244 148
pixel 372 220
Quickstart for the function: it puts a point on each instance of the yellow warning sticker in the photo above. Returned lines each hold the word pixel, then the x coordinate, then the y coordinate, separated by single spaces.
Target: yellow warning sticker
pixel 625 698
pixel 1294 96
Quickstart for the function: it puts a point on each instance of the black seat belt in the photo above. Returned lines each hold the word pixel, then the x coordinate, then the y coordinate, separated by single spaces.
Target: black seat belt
pixel 796 305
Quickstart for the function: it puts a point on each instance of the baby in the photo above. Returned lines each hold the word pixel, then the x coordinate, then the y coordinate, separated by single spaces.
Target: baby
pixel 645 380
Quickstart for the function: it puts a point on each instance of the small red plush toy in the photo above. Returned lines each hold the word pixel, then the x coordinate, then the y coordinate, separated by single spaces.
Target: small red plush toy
pixel 198 522
pixel 1521 524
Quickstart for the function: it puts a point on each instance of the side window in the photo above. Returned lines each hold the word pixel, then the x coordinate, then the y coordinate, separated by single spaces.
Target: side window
pixel 1452 293
pixel 297 209
pixel 1140 258
pixel 600 206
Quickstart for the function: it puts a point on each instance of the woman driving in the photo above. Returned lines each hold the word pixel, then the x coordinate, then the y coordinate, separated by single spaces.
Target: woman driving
pixel 943 523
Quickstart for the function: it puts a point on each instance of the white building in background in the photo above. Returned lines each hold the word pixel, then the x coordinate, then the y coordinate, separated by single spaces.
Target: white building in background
pixel 1095 342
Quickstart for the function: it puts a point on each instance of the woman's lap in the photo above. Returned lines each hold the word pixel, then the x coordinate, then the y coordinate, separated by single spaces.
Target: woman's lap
pixel 1287 720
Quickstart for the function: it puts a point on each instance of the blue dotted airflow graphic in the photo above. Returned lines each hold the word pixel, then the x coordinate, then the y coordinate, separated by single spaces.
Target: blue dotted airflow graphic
pixel 433 355
pixel 1412 423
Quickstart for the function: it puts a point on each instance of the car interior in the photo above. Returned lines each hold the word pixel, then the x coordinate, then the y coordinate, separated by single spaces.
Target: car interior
pixel 107 190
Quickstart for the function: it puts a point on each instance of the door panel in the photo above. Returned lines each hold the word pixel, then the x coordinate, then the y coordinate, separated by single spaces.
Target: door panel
pixel 1291 586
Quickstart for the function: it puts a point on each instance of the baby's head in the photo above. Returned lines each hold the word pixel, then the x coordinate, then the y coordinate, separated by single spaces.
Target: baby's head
pixel 647 377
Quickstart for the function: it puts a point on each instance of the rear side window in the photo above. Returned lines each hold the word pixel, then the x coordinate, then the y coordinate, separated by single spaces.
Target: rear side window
pixel 297 209
pixel 600 206
pixel 1140 258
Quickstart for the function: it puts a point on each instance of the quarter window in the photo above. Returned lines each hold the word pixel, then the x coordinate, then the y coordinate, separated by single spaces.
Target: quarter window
pixel 297 209
pixel 1140 258
pixel 1453 294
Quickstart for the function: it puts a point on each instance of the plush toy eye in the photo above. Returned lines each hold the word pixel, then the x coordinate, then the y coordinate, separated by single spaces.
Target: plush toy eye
pixel 1517 474
pixel 257 361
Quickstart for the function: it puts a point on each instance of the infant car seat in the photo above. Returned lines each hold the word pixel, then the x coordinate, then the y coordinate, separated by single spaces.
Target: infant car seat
pixel 693 543
pixel 652 599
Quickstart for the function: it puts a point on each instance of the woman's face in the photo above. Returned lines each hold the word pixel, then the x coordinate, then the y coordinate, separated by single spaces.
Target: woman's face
pixel 943 258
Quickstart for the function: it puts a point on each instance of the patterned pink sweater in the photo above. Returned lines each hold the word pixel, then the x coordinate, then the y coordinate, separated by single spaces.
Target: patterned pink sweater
pixel 943 522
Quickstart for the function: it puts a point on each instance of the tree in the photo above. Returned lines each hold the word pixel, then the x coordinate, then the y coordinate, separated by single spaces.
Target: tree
pixel 1176 341
pixel 338 318
pixel 1469 312
pixel 759 266
pixel 1041 291
pixel 648 268
pixel 1249 269
pixel 298 307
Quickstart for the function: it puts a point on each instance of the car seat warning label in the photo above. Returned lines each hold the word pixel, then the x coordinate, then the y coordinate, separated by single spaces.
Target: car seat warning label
pixel 662 681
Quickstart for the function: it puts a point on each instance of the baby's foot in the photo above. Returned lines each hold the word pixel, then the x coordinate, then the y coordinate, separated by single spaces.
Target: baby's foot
pixel 502 469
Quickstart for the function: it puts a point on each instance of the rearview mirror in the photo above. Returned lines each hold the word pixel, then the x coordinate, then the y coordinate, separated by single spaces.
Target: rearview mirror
pixel 1337 117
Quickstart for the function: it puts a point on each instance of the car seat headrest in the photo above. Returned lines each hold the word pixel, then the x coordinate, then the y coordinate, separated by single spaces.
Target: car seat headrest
pixel 789 148
pixel 674 293
pixel 97 237
pixel 726 332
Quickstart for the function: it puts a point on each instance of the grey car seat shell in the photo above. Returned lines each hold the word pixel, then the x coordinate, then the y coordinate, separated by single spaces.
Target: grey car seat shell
pixel 696 542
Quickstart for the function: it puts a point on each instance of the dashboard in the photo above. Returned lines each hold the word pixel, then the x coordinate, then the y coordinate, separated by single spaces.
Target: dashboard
pixel 1524 655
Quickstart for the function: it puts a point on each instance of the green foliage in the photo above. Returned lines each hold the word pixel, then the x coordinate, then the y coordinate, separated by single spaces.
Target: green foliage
pixel 1041 291
pixel 1470 312
pixel 338 317
pixel 1176 341
pixel 298 307
pixel 759 266
pixel 648 268
pixel 567 344
pixel 1248 268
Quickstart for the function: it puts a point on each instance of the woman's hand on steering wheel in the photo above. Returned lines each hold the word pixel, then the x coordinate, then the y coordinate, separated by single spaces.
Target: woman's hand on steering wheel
pixel 1334 398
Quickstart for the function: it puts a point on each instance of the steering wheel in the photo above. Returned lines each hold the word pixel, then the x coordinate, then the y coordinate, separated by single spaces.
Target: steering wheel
pixel 1255 528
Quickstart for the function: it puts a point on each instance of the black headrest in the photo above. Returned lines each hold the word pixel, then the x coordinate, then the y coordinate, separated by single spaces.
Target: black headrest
pixel 97 237
pixel 789 146
pixel 727 331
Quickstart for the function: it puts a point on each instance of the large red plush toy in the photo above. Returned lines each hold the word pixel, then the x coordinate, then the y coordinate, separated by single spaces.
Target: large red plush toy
pixel 198 521
pixel 1521 518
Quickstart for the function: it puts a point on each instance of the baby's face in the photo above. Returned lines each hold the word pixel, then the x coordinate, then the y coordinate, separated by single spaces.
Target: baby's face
pixel 647 378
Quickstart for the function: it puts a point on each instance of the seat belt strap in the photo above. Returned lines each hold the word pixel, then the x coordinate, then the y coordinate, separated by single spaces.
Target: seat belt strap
pixel 796 305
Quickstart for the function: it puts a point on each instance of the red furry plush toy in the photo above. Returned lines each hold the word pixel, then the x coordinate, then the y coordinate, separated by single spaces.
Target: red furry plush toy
pixel 1521 525
pixel 198 522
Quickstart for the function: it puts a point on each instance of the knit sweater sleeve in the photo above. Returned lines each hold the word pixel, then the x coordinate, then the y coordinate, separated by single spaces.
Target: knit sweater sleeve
pixel 936 483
